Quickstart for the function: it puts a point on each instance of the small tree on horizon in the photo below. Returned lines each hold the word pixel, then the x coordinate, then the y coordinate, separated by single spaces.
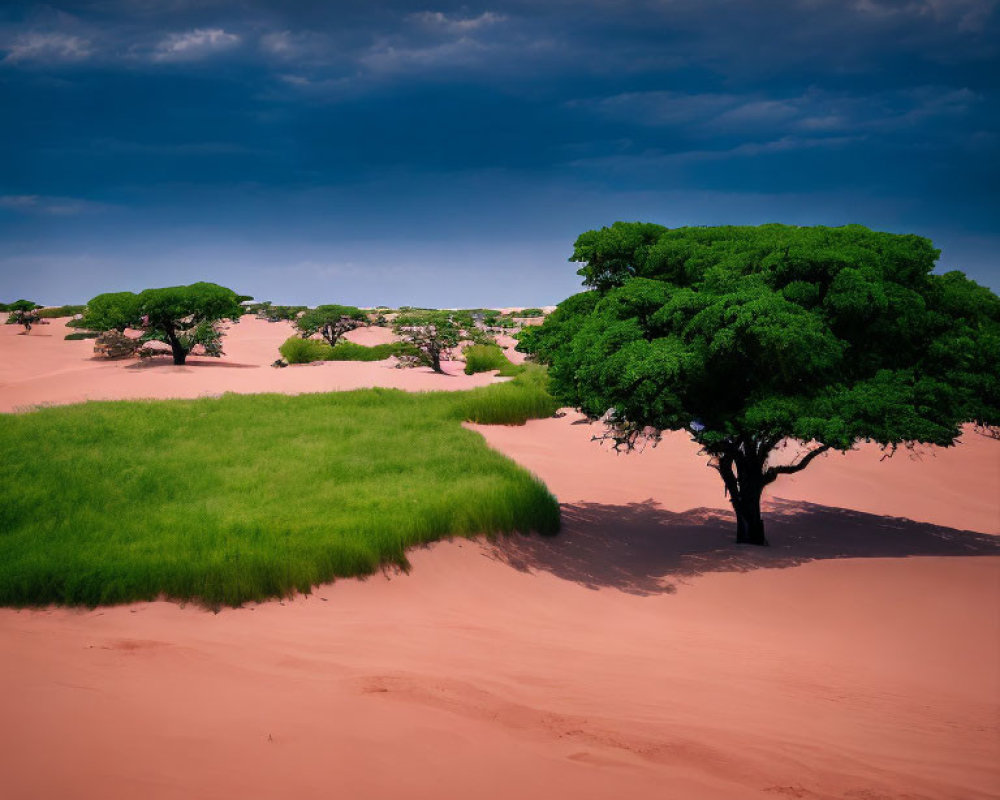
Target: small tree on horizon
pixel 330 321
pixel 433 333
pixel 751 337
pixel 23 312
pixel 181 316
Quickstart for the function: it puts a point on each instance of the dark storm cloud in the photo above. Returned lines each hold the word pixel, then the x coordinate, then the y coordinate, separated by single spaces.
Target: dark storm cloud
pixel 249 131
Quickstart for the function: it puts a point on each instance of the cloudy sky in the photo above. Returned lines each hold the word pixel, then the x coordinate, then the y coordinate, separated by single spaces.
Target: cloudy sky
pixel 449 154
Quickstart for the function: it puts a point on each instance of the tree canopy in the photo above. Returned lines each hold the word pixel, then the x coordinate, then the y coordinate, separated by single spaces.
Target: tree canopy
pixel 23 312
pixel 749 336
pixel 181 316
pixel 330 321
pixel 433 333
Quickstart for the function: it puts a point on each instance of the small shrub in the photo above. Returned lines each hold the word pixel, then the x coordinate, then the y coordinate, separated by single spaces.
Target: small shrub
pixel 349 351
pixel 530 312
pixel 61 311
pixel 304 351
pixel 484 358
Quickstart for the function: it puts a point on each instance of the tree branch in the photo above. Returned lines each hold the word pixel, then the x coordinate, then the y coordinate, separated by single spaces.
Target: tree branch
pixel 771 473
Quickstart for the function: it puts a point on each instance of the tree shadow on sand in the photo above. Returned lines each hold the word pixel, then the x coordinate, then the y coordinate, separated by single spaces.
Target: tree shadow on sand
pixel 159 362
pixel 643 549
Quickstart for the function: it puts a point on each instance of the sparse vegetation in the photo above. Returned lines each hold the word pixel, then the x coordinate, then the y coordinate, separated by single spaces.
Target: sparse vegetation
pixel 303 351
pixel 245 497
pixel 272 313
pixel 23 312
pixel 182 316
pixel 486 358
pixel 432 333
pixel 61 311
pixel 330 322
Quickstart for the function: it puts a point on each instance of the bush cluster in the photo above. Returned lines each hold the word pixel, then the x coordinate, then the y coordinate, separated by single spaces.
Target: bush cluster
pixel 303 351
pixel 60 311
pixel 488 357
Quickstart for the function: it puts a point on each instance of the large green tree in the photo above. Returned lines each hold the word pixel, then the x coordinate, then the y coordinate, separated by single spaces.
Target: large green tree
pixel 751 338
pixel 181 316
pixel 331 322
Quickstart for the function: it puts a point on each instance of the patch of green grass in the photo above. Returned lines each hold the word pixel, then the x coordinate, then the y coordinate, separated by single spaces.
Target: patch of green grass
pixel 297 350
pixel 246 497
pixel 511 403
pixel 485 358
pixel 349 351
pixel 72 337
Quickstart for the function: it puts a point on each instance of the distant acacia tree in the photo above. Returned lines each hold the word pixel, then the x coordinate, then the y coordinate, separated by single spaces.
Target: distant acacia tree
pixel 331 322
pixel 433 333
pixel 750 337
pixel 181 316
pixel 23 312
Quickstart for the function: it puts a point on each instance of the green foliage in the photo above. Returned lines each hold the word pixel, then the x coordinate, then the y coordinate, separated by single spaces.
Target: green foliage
pixel 432 333
pixel 60 311
pixel 22 305
pixel 302 351
pixel 23 312
pixel 350 351
pixel 745 336
pixel 112 311
pixel 241 498
pixel 512 403
pixel 486 358
pixel 272 313
pixel 543 341
pixel 81 335
pixel 330 321
pixel 182 316
pixel 283 313
pixel 530 312
pixel 297 350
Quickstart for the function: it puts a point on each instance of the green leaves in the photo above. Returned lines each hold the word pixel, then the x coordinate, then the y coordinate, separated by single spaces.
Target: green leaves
pixel 826 334
pixel 330 321
pixel 184 316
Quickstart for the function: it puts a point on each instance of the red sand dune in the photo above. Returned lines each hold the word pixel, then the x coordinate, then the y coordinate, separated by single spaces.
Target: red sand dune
pixel 638 654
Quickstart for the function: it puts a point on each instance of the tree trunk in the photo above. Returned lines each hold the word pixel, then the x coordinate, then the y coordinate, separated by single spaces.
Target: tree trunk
pixel 179 352
pixel 749 524
pixel 741 461
pixel 741 466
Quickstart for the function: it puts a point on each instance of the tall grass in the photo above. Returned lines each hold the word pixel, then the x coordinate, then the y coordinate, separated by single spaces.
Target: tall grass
pixel 512 403
pixel 60 311
pixel 297 350
pixel 246 497
pixel 486 358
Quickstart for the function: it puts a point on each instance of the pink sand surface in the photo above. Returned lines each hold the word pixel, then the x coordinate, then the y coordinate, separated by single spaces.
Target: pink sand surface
pixel 639 654
pixel 43 368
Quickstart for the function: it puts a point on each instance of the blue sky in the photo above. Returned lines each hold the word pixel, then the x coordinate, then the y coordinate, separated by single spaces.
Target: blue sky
pixel 449 154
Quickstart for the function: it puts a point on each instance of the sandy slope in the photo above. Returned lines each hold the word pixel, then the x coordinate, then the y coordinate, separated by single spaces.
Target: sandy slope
pixel 638 654
pixel 44 368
